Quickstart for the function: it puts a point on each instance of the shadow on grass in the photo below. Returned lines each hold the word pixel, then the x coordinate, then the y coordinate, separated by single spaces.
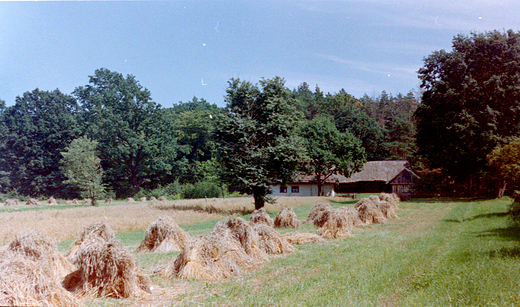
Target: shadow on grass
pixel 505 252
pixel 478 216
pixel 345 202
pixel 511 232
pixel 447 199
pixel 205 209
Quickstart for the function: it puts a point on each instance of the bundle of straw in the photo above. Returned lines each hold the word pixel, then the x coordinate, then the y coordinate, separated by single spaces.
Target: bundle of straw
pixel 392 199
pixel 164 235
pixel 271 241
pixel 107 269
pixel 315 216
pixel 302 238
pixel 96 231
pixel 24 282
pixel 286 218
pixel 261 216
pixel 338 225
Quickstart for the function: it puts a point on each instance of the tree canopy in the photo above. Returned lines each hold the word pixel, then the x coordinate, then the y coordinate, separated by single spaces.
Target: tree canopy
pixel 330 151
pixel 136 142
pixel 257 145
pixel 33 132
pixel 82 167
pixel 470 102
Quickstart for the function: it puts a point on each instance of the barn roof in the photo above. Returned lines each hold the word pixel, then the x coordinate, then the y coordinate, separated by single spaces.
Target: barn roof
pixel 379 171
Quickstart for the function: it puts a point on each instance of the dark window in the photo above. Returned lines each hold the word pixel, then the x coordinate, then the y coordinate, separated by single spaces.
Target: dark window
pixel 283 189
pixel 295 189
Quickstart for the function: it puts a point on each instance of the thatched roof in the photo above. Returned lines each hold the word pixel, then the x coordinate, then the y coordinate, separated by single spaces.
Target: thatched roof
pixel 379 171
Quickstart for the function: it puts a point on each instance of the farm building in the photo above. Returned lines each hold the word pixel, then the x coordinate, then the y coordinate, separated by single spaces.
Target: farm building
pixel 380 176
pixel 305 186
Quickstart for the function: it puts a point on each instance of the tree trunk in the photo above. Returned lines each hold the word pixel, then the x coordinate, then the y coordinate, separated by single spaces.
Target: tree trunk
pixel 259 200
pixel 501 188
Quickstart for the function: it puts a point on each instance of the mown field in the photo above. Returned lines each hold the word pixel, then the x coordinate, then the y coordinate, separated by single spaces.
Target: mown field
pixel 440 252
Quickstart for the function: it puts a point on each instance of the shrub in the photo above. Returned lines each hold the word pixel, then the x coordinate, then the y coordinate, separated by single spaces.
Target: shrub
pixel 201 190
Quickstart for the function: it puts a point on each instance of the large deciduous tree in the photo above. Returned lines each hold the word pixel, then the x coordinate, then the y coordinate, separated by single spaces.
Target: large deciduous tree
pixel 257 145
pixel 33 132
pixel 82 167
pixel 330 151
pixel 470 102
pixel 136 142
pixel 505 165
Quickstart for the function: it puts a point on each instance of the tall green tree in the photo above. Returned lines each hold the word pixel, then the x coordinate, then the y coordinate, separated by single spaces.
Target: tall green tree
pixel 330 151
pixel 33 132
pixel 82 167
pixel 257 144
pixel 504 162
pixel 136 139
pixel 470 103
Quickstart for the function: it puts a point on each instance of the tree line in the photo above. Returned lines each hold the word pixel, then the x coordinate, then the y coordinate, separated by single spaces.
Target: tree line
pixel 460 132
pixel 143 147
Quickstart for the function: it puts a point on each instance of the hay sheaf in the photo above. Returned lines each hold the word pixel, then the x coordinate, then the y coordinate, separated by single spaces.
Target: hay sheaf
pixel 143 199
pixel 338 225
pixel 317 211
pixel 32 202
pixel 51 201
pixel 25 282
pixel 153 198
pixel 42 249
pixel 164 235
pixel 242 231
pixel 303 238
pixel 130 200
pixel 87 201
pixel 392 199
pixel 387 209
pixel 369 212
pixel 261 216
pixel 162 198
pixel 204 258
pixel 108 200
pixel 270 241
pixel 354 215
pixel 96 231
pixel 107 269
pixel 12 202
pixel 286 218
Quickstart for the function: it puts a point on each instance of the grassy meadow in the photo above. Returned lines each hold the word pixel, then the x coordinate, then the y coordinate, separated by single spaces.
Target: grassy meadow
pixel 440 252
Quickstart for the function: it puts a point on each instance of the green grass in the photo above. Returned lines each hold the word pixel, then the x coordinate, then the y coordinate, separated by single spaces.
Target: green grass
pixel 442 252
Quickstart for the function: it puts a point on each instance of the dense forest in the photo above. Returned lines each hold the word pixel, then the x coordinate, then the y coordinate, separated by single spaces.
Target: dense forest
pixel 146 149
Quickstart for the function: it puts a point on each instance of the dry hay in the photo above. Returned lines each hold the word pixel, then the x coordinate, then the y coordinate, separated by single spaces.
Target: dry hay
pixel 286 218
pixel 12 202
pixel 25 282
pixel 108 200
pixel 164 235
pixel 162 198
pixel 40 248
pixel 387 209
pixel 206 258
pixel 392 199
pixel 87 201
pixel 270 241
pixel 369 212
pixel 316 214
pixel 246 235
pixel 96 231
pixel 143 199
pixel 354 216
pixel 130 200
pixel 338 225
pixel 32 202
pixel 107 269
pixel 153 198
pixel 261 216
pixel 51 201
pixel 302 238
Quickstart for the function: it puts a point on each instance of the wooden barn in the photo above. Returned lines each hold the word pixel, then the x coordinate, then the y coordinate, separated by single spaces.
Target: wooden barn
pixel 380 176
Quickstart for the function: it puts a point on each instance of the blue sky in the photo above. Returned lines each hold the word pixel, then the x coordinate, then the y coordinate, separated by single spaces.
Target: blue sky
pixel 182 49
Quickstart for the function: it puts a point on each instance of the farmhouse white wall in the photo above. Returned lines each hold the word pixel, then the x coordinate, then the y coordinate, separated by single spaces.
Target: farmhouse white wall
pixel 305 189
